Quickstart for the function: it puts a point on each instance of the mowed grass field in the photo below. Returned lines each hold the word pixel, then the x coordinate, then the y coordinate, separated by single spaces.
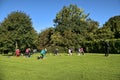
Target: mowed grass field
pixel 83 67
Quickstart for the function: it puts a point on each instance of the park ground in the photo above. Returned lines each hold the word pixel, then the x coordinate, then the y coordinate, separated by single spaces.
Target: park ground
pixel 61 67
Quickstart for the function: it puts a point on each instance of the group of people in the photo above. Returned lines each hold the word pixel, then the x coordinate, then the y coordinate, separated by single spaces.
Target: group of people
pixel 80 51
pixel 27 52
pixel 70 51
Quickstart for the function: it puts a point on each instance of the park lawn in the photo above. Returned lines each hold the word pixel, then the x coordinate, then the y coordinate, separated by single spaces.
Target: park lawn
pixel 83 67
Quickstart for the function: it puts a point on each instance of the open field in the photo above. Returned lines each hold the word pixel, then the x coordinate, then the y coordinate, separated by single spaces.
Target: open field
pixel 83 67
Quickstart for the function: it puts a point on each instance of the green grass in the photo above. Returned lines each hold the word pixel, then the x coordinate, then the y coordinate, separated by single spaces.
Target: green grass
pixel 83 67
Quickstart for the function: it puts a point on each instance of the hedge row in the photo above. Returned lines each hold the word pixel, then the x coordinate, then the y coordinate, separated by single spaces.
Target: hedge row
pixel 99 47
pixel 92 47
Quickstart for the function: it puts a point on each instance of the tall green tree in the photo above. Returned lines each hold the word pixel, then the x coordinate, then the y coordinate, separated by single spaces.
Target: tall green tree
pixel 72 26
pixel 114 25
pixel 71 17
pixel 17 32
pixel 44 39
pixel 104 33
pixel 92 27
pixel 56 39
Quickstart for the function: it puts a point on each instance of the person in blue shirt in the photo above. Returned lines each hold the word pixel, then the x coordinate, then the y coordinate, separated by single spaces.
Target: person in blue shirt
pixel 42 53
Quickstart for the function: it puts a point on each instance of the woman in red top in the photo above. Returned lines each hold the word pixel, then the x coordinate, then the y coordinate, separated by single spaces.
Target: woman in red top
pixel 17 52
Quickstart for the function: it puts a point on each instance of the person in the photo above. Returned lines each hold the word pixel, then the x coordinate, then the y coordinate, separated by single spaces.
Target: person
pixel 34 51
pixel 106 44
pixel 27 53
pixel 42 53
pixel 80 50
pixel 17 52
pixel 56 51
pixel 69 51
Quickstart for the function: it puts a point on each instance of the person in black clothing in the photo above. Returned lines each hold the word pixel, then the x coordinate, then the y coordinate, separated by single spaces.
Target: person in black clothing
pixel 106 48
pixel 56 51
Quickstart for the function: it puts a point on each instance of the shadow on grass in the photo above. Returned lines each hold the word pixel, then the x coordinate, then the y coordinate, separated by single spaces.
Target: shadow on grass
pixel 9 54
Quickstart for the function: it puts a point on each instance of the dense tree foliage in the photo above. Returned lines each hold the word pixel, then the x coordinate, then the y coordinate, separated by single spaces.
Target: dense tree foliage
pixel 103 34
pixel 114 25
pixel 74 29
pixel 71 17
pixel 71 28
pixel 44 39
pixel 17 32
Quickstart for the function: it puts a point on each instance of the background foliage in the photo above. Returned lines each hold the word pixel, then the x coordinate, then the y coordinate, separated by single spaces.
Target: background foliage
pixel 17 32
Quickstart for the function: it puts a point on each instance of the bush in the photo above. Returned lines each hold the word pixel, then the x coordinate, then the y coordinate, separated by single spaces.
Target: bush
pixel 98 46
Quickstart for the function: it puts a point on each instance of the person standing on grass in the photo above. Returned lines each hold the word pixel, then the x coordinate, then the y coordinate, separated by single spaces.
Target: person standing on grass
pixel 42 53
pixel 69 51
pixel 80 50
pixel 27 52
pixel 56 51
pixel 106 44
pixel 17 52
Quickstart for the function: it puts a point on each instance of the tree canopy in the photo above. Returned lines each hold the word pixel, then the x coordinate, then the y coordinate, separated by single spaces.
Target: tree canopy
pixel 114 25
pixel 17 32
pixel 70 17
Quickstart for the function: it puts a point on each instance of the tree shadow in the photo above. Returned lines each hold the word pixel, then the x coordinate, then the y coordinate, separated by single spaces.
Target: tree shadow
pixel 8 54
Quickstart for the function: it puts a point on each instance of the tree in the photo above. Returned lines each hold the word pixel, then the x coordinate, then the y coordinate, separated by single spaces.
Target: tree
pixel 44 39
pixel 104 33
pixel 114 24
pixel 91 29
pixel 70 17
pixel 56 39
pixel 92 25
pixel 17 32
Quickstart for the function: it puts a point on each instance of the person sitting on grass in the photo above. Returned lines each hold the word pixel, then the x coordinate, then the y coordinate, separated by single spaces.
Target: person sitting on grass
pixel 42 53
